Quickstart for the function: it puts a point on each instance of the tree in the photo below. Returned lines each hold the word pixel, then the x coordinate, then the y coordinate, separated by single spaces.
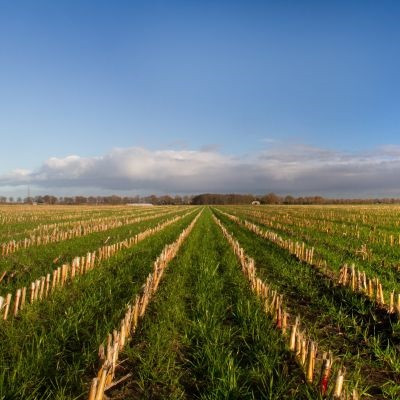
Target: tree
pixel 81 200
pixel 48 199
pixel 289 200
pixel 270 198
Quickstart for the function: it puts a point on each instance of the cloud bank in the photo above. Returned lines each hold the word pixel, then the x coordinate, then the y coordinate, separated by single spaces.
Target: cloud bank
pixel 298 170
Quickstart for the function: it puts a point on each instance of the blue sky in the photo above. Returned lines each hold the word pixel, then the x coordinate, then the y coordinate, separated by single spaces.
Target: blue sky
pixel 238 80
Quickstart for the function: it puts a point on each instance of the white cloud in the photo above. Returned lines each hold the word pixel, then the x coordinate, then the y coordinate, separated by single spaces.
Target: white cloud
pixel 296 169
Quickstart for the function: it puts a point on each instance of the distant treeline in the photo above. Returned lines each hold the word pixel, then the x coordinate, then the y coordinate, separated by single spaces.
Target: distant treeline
pixel 114 199
pixel 206 198
pixel 272 198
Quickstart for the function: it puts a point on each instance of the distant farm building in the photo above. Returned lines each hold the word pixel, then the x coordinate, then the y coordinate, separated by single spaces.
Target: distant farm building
pixel 255 203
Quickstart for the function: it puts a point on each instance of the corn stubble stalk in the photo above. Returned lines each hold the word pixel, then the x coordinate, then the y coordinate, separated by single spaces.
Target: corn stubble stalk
pixel 337 394
pixel 93 389
pixel 41 288
pixel 7 305
pixel 304 349
pixel 128 324
pixel 326 370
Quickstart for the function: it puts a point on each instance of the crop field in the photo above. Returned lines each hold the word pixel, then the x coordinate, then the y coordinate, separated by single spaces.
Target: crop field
pixel 195 302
